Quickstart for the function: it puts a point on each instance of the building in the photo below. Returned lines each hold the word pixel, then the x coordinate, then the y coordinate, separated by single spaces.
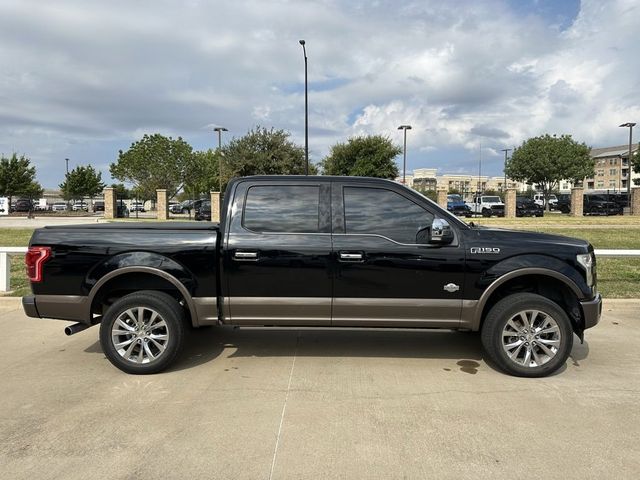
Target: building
pixel 612 170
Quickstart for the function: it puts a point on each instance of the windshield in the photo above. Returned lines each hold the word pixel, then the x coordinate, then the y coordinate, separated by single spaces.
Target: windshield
pixel 454 198
pixel 491 199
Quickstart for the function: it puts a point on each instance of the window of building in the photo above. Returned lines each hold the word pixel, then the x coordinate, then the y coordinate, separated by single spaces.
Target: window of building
pixel 282 208
pixel 600 183
pixel 613 171
pixel 600 172
pixel 590 185
pixel 383 212
pixel 612 184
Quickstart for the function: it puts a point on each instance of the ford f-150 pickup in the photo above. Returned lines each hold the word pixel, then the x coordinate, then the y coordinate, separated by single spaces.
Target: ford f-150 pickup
pixel 316 251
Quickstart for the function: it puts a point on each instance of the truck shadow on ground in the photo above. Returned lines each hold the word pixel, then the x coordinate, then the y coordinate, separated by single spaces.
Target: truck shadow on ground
pixel 205 345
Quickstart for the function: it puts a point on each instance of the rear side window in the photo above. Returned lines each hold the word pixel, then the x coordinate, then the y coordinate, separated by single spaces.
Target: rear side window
pixel 282 208
pixel 383 212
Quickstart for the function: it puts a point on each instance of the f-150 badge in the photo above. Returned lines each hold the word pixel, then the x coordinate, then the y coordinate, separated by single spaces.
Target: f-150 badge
pixel 485 250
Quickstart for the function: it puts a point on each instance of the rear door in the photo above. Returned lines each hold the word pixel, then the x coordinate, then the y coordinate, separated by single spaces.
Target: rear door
pixel 277 253
pixel 384 275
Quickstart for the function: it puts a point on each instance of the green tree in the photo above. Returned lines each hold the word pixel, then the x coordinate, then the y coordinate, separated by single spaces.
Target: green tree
pixel 17 177
pixel 263 152
pixel 546 160
pixel 365 156
pixel 81 182
pixel 154 162
pixel 121 191
pixel 203 173
pixel 635 163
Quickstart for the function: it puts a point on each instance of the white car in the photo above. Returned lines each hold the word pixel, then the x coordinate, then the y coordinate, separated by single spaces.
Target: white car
pixel 487 205
pixel 80 206
pixel 136 206
pixel 59 207
pixel 539 199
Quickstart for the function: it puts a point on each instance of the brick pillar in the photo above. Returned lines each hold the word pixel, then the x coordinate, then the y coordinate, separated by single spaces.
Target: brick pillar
pixel 162 210
pixel 215 206
pixel 110 208
pixel 441 196
pixel 577 201
pixel 635 201
pixel 510 203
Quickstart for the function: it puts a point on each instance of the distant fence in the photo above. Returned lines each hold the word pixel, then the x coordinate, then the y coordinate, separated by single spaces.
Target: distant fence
pixel 6 252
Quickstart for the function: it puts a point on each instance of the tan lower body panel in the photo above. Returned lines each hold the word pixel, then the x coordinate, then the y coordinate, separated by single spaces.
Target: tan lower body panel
pixel 280 310
pixel 359 312
pixel 396 312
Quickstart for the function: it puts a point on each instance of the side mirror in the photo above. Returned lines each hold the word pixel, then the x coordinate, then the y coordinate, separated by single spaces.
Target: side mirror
pixel 441 233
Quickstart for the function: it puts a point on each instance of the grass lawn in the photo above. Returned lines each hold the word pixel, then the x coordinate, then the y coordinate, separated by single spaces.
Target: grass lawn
pixel 617 277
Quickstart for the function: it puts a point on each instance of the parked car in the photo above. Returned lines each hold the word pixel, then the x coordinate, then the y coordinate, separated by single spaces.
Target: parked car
pixel 316 251
pixel 456 205
pixel 122 211
pixel 203 211
pixel 80 206
pixel 98 206
pixel 553 200
pixel 598 204
pixel 564 202
pixel 23 205
pixel 487 205
pixel 59 207
pixel 182 207
pixel 136 206
pixel 527 207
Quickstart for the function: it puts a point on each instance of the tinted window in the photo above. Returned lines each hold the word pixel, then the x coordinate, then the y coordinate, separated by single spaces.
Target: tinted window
pixel 383 212
pixel 285 208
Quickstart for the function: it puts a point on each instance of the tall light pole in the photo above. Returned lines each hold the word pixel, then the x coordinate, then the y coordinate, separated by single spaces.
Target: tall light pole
pixel 220 130
pixel 306 112
pixel 506 151
pixel 404 153
pixel 67 160
pixel 630 125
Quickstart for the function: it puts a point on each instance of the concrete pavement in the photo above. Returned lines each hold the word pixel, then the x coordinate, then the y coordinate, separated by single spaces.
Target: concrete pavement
pixel 316 404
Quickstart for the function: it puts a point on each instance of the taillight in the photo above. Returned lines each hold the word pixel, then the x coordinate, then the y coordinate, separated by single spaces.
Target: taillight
pixel 34 259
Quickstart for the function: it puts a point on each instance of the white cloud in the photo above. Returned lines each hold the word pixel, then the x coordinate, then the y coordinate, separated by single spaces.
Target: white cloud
pixel 82 79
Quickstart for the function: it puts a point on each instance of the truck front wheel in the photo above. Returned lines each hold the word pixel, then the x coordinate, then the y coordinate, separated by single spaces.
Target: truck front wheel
pixel 486 212
pixel 143 332
pixel 527 335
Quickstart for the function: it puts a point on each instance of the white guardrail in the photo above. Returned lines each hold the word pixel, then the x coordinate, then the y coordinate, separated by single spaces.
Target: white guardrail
pixel 6 252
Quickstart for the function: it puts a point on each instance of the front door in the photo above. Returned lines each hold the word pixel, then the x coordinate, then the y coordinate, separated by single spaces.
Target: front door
pixel 276 259
pixel 385 274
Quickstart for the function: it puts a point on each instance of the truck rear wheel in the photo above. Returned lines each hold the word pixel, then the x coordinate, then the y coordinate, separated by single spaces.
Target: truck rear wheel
pixel 527 335
pixel 143 332
pixel 486 212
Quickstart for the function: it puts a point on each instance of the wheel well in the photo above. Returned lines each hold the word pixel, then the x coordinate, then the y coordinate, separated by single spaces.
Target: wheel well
pixel 127 283
pixel 543 285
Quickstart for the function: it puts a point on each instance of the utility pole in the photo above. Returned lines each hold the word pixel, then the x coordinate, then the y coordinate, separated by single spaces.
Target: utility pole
pixel 306 111
pixel 67 160
pixel 479 169
pixel 220 130
pixel 506 151
pixel 404 153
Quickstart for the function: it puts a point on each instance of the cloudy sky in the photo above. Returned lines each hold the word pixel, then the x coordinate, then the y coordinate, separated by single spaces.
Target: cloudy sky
pixel 82 79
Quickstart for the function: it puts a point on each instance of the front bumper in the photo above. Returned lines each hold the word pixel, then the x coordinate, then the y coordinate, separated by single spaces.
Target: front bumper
pixel 592 311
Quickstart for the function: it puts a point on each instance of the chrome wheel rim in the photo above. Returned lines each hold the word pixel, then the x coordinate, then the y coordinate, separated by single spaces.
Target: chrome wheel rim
pixel 140 335
pixel 531 338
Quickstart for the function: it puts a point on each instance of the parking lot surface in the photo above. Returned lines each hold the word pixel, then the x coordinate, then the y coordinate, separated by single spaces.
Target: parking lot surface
pixel 316 404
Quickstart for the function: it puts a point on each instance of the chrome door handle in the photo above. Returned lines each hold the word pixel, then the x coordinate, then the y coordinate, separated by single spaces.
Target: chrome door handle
pixel 351 257
pixel 245 256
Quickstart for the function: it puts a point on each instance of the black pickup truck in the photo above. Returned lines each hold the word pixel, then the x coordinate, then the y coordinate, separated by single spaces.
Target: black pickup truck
pixel 316 251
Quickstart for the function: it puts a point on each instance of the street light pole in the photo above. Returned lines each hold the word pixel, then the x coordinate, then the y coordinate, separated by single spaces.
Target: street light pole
pixel 306 111
pixel 404 153
pixel 506 151
pixel 220 130
pixel 630 125
pixel 67 160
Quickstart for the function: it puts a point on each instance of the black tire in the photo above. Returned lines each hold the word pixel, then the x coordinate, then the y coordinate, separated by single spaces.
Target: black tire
pixel 506 310
pixel 174 328
pixel 486 212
